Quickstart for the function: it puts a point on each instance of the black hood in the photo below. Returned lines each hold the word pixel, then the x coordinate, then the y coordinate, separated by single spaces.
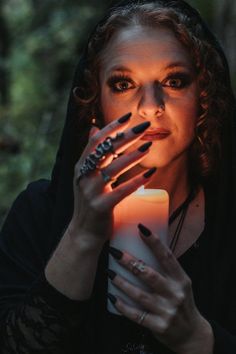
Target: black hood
pixel 221 192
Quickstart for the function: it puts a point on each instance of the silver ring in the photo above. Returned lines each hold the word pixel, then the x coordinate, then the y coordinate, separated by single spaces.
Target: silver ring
pixel 142 317
pixel 92 160
pixel 89 165
pixel 119 135
pixel 137 267
pixel 106 178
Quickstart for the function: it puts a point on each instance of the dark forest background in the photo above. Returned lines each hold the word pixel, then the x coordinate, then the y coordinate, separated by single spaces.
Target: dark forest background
pixel 40 43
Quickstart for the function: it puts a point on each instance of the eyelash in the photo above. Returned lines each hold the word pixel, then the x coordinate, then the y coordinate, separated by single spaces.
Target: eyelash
pixel 185 80
pixel 116 79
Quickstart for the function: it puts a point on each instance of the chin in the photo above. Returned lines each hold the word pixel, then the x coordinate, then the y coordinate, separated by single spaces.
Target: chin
pixel 163 160
pixel 153 161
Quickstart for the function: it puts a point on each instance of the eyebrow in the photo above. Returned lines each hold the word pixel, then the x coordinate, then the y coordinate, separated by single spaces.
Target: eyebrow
pixel 120 68
pixel 168 67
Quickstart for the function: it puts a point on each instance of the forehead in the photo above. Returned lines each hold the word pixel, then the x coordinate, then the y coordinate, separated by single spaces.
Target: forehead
pixel 144 46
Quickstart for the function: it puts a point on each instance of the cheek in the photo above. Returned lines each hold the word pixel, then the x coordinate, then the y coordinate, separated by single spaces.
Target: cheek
pixel 109 109
pixel 183 128
pixel 112 108
pixel 187 113
pixel 188 128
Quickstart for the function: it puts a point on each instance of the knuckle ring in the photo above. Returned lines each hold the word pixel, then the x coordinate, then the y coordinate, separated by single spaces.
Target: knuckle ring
pixel 89 165
pixel 99 153
pixel 92 160
pixel 142 317
pixel 137 267
pixel 119 135
pixel 109 140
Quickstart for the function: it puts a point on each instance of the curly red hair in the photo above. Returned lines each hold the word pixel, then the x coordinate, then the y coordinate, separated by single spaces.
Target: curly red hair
pixel 190 30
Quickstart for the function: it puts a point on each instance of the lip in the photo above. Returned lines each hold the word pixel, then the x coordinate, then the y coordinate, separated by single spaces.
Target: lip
pixel 155 134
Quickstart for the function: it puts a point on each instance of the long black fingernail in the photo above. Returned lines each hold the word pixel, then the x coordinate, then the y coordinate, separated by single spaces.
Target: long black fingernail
pixel 112 298
pixel 117 254
pixel 150 172
pixel 124 118
pixel 111 274
pixel 138 129
pixel 145 147
pixel 144 230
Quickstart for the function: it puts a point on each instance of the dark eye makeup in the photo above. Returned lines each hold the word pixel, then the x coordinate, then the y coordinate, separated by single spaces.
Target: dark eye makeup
pixel 120 83
pixel 177 80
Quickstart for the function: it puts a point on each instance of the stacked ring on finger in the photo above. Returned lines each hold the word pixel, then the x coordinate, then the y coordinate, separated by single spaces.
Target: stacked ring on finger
pixel 137 266
pixel 91 162
pixel 142 317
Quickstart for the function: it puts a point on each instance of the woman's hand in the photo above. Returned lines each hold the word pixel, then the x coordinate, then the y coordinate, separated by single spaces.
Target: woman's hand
pixel 73 265
pixel 94 198
pixel 169 310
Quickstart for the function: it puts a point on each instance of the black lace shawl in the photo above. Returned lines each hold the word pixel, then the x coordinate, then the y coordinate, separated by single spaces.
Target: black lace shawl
pixel 34 317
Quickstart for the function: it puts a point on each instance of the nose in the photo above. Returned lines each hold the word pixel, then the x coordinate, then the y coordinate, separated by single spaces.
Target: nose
pixel 151 103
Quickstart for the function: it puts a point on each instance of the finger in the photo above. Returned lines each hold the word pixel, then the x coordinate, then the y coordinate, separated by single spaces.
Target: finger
pixel 128 161
pixel 148 300
pixel 98 137
pixel 153 279
pixel 111 197
pixel 144 318
pixel 94 130
pixel 120 165
pixel 164 255
pixel 123 190
pixel 102 155
pixel 118 144
pixel 128 311
pixel 117 167
pixel 109 130
pixel 167 289
pixel 131 136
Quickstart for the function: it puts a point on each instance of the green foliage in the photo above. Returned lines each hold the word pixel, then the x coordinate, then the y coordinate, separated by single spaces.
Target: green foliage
pixel 45 42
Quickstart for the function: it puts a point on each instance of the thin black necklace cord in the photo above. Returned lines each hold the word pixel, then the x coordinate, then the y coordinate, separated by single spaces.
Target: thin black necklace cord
pixel 182 208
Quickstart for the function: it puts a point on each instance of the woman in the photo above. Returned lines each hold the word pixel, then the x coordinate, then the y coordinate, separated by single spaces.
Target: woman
pixel 152 73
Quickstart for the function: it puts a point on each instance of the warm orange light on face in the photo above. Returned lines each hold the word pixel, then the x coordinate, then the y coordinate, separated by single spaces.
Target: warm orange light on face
pixel 150 73
pixel 149 207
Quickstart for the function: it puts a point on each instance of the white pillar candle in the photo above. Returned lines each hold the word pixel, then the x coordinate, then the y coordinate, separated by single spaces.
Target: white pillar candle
pixel 149 207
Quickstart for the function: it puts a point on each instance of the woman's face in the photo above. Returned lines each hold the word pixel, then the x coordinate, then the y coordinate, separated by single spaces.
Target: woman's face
pixel 149 72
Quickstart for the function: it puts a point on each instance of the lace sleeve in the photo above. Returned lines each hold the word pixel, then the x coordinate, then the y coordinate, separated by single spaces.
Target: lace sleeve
pixel 34 317
pixel 43 323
